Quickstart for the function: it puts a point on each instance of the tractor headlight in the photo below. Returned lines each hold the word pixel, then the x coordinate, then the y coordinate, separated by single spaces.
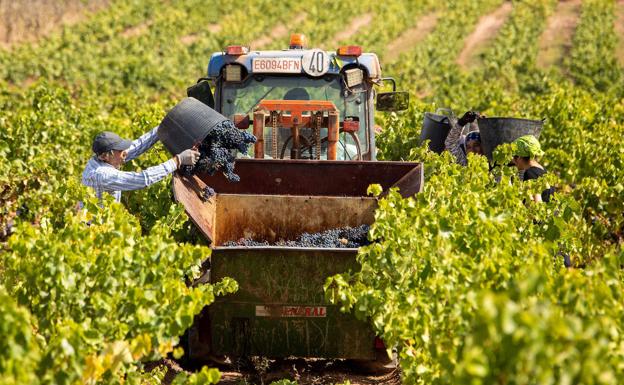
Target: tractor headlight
pixel 233 73
pixel 354 77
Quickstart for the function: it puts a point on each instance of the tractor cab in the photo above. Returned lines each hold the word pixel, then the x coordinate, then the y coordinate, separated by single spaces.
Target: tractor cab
pixel 301 103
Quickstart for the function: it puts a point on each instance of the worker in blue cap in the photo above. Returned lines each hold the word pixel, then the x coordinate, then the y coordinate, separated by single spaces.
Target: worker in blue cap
pixel 103 173
pixel 460 146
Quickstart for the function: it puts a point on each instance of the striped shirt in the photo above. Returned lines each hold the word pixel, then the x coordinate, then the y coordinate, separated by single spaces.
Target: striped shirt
pixel 103 177
pixel 454 140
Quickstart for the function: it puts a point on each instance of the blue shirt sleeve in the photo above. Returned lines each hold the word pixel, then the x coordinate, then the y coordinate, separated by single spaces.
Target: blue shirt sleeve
pixel 111 179
pixel 144 143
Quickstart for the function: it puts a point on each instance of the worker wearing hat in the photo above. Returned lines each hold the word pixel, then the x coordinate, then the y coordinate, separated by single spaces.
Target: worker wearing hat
pixel 460 146
pixel 111 152
pixel 526 150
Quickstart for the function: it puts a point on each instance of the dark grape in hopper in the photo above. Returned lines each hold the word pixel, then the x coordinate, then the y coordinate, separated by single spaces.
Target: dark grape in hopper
pixel 343 237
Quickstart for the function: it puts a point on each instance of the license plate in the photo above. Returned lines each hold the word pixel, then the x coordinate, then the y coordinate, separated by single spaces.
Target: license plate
pixel 282 65
pixel 291 311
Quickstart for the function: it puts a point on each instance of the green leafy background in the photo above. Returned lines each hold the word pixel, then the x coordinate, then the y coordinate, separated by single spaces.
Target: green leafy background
pixel 467 281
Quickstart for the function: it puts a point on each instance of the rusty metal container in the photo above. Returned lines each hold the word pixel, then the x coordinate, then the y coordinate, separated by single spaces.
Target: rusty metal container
pixel 280 308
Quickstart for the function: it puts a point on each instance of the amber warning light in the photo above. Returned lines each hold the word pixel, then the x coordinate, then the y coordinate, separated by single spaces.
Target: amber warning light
pixel 349 50
pixel 297 41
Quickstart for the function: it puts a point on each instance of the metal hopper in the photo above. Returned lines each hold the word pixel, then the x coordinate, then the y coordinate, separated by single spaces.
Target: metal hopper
pixel 280 308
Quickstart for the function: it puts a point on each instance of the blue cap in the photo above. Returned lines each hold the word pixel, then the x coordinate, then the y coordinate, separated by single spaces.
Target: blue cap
pixel 473 135
pixel 106 141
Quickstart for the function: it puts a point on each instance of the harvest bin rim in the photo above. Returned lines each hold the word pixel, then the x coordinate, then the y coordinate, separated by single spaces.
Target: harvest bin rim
pixel 269 203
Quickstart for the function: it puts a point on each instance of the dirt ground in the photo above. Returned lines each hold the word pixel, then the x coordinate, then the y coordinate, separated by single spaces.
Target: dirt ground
pixel 353 27
pixel 411 37
pixel 22 21
pixel 556 40
pixel 136 30
pixel 486 29
pixel 305 372
pixel 278 32
pixel 192 38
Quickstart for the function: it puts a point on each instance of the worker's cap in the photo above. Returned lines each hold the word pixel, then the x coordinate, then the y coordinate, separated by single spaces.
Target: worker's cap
pixel 106 141
pixel 473 135
pixel 527 146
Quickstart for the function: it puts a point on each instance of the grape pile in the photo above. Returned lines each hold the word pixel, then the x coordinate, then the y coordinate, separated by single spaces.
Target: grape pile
pixel 343 237
pixel 218 151
pixel 207 193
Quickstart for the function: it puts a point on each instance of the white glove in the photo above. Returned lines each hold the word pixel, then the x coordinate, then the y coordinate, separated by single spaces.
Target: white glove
pixel 188 157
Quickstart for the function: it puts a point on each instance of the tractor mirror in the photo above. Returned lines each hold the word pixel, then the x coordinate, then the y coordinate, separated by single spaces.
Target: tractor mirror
pixel 202 92
pixel 392 101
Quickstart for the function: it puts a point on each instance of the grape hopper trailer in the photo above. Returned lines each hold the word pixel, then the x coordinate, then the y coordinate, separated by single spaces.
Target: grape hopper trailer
pixel 313 114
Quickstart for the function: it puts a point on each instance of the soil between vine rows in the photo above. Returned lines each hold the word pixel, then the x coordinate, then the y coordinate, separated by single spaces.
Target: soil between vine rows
pixel 303 371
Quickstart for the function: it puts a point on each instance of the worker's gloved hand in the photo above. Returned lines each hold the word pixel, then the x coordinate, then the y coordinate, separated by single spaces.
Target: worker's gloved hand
pixel 468 117
pixel 188 157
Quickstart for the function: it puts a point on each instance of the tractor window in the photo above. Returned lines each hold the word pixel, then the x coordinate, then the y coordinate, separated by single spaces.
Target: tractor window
pixel 242 98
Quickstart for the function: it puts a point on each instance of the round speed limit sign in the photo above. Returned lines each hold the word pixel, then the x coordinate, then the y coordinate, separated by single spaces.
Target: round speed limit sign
pixel 315 62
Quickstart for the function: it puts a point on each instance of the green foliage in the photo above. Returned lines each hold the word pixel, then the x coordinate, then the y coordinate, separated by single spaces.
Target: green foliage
pixel 593 62
pixel 515 50
pixel 102 294
pixel 430 68
pixel 584 149
pixel 19 348
pixel 203 377
pixel 284 382
pixel 400 133
pixel 467 281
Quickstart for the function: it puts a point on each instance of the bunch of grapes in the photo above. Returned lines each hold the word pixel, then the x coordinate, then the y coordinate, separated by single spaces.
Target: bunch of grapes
pixel 218 150
pixel 349 237
pixel 207 193
pixel 343 237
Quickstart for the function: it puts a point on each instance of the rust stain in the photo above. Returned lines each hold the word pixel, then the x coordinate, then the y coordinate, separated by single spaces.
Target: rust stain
pixel 260 208
pixel 281 217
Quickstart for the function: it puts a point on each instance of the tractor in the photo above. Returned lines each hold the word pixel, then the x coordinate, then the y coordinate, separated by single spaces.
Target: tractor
pixel 313 113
